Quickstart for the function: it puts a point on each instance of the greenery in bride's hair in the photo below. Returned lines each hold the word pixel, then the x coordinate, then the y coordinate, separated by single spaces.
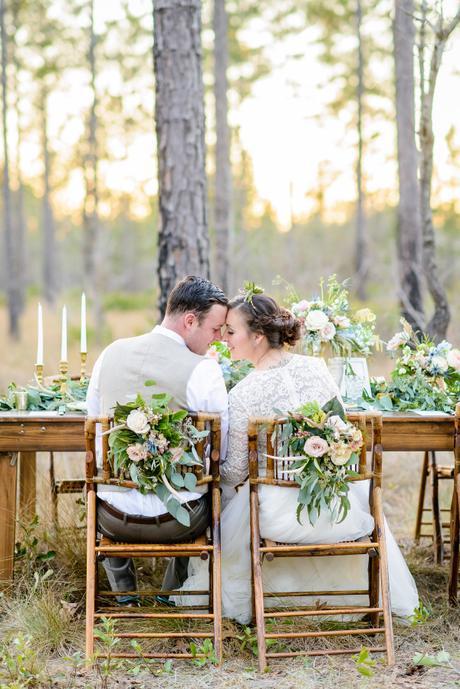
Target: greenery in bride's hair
pixel 323 449
pixel 151 445
pixel 250 289
pixel 233 371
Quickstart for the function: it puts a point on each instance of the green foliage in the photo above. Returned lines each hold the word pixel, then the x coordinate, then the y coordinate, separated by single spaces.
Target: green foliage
pixel 128 301
pixel 105 632
pixel 233 371
pixel 20 664
pixel 151 444
pixel 323 450
pixel 50 397
pixel 32 559
pixel 203 654
pixel 439 659
pixel 364 662
pixel 420 615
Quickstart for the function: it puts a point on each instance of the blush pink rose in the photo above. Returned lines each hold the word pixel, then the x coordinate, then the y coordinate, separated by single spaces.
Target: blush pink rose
pixel 316 446
pixel 136 452
pixel 453 358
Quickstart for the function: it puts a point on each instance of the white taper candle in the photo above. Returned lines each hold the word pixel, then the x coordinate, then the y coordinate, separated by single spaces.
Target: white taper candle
pixel 83 343
pixel 64 334
pixel 39 361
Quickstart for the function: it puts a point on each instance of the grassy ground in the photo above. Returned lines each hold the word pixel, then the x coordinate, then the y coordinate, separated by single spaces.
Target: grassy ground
pixel 41 619
pixel 45 615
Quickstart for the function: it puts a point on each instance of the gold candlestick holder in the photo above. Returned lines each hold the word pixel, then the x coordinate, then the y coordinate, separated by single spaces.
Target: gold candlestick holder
pixel 39 373
pixel 83 356
pixel 63 368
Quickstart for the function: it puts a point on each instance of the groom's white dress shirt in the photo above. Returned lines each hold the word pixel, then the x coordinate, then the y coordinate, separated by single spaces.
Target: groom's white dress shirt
pixel 205 392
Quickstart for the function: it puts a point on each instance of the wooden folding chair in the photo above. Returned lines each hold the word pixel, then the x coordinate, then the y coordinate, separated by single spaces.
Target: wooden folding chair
pixel 455 517
pixel 263 430
pixel 207 547
pixel 431 519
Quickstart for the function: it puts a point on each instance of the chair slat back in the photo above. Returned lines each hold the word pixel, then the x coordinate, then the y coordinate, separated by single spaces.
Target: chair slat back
pixel 102 471
pixel 270 467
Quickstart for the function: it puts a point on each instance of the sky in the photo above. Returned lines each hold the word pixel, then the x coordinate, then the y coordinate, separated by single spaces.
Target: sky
pixel 284 126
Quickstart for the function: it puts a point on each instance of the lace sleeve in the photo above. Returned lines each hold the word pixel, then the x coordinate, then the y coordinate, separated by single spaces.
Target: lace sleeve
pixel 235 468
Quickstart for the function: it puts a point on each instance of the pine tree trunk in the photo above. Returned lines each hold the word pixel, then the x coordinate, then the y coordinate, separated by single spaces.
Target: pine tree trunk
pixel 409 231
pixel 49 231
pixel 222 201
pixel 361 251
pixel 93 259
pixel 439 322
pixel 179 108
pixel 12 287
pixel 19 211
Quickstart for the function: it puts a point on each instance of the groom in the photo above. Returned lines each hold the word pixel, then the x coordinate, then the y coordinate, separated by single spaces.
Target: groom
pixel 172 355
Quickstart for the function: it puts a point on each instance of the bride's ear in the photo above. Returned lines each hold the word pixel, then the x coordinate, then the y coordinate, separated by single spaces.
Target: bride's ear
pixel 257 338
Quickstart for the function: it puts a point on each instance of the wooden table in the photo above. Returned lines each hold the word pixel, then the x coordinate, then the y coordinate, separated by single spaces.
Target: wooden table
pixel 28 432
pixel 22 435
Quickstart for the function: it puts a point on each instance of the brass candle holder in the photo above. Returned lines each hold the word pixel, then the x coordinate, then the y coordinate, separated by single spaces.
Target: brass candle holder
pixel 39 373
pixel 83 356
pixel 63 368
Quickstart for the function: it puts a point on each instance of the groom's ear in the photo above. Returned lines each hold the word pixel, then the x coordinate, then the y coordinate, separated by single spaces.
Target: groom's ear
pixel 189 319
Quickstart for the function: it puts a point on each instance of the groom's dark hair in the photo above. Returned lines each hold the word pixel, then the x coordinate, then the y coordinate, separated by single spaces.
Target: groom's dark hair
pixel 194 294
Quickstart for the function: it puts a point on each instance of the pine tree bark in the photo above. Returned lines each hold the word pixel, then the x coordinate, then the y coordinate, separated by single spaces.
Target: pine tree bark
pixel 19 210
pixel 439 322
pixel 179 109
pixel 361 250
pixel 222 196
pixel 49 263
pixel 12 287
pixel 409 230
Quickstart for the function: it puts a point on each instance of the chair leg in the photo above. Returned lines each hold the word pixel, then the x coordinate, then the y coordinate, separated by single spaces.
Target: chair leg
pixel 91 564
pixel 54 495
pixel 438 545
pixel 421 497
pixel 215 578
pixel 454 543
pixel 258 593
pixel 384 584
pixel 374 588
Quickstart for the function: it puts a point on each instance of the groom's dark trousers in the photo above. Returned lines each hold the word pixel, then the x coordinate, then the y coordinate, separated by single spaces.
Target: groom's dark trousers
pixel 129 528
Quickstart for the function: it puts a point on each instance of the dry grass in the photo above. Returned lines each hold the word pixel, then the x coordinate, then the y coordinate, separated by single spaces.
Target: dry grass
pixel 57 629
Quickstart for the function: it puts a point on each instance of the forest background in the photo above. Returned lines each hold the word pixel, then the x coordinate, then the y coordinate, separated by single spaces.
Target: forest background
pixel 314 183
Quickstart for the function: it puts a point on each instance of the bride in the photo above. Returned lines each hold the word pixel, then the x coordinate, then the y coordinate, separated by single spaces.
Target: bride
pixel 258 330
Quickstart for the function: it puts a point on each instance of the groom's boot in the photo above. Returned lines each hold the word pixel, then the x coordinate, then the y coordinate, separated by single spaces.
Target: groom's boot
pixel 122 577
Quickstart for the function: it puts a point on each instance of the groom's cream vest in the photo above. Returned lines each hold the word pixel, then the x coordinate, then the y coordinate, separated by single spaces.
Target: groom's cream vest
pixel 128 363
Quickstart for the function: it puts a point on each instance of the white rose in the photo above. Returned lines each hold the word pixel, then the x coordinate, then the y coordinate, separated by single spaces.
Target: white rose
pixel 453 358
pixel 316 320
pixel 336 423
pixel 340 454
pixel 138 422
pixel 328 332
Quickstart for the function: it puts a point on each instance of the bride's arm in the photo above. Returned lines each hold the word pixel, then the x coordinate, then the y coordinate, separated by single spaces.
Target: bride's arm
pixel 235 468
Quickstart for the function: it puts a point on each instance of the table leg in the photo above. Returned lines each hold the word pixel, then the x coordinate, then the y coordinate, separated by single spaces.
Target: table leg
pixel 438 545
pixel 421 497
pixel 27 485
pixel 8 486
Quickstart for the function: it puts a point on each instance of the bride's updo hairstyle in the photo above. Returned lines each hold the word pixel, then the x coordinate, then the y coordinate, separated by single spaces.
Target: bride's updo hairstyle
pixel 263 315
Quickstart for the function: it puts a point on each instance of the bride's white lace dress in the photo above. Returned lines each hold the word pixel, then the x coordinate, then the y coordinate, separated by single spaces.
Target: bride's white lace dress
pixel 298 380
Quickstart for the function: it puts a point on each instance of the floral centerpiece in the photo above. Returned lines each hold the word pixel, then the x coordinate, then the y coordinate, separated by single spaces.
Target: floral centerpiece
pixel 325 449
pixel 426 375
pixel 328 321
pixel 151 444
pixel 233 371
